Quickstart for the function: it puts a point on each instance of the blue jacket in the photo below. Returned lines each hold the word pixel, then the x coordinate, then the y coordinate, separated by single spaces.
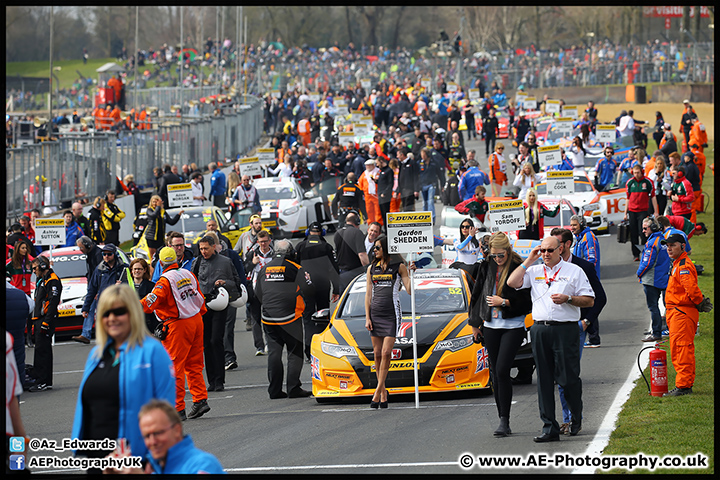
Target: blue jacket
pixel 184 457
pixel 626 167
pixel 588 247
pixel 605 169
pixel 186 264
pixel 565 165
pixel 146 372
pixel 101 278
pixel 72 233
pixel 217 183
pixel 655 263
pixel 472 178
pixel 500 99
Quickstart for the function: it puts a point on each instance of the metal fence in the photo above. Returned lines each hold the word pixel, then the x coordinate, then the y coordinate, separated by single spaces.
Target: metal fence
pixel 85 165
pixel 165 97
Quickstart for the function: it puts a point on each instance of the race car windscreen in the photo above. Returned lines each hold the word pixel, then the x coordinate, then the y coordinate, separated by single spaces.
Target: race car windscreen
pixel 275 192
pixel 555 221
pixel 433 294
pixel 454 220
pixel 68 266
pixel 194 221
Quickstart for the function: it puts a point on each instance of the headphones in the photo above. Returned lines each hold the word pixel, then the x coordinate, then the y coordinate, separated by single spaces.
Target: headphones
pixel 316 226
pixel 581 220
pixel 43 263
pixel 654 225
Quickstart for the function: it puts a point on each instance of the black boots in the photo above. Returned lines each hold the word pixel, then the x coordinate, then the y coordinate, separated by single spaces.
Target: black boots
pixel 504 429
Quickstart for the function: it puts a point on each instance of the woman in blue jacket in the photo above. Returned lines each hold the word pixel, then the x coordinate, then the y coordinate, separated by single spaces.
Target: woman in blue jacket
pixel 126 369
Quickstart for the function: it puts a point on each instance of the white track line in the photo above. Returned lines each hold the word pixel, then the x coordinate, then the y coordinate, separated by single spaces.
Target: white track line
pixel 602 437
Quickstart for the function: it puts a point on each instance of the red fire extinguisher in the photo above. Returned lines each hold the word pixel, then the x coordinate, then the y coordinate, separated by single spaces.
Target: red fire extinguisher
pixel 658 371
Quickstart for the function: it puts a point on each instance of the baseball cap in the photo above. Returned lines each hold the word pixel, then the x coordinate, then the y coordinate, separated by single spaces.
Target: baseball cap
pixel 686 101
pixel 109 247
pixel 674 238
pixel 315 226
pixel 667 126
pixel 167 255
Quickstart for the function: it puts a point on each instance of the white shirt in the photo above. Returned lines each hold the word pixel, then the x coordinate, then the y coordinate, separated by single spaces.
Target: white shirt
pixel 626 126
pixel 197 191
pixel 567 278
pixel 368 245
pixel 526 182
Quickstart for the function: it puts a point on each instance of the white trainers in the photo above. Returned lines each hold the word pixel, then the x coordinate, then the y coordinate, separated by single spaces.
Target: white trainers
pixel 261 352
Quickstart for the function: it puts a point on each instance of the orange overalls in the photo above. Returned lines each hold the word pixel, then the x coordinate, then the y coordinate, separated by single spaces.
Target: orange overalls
pixel 698 136
pixel 396 201
pixel 497 176
pixel 681 299
pixel 369 188
pixel 184 341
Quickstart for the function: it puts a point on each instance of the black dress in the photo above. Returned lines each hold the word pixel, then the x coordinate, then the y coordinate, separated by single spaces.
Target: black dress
pixel 385 311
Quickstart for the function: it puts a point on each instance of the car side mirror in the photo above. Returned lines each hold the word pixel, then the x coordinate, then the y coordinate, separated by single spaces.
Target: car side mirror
pixel 309 194
pixel 232 227
pixel 321 316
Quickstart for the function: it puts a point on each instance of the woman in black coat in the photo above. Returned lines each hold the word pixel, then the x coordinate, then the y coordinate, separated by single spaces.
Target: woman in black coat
pixel 497 317
pixel 157 218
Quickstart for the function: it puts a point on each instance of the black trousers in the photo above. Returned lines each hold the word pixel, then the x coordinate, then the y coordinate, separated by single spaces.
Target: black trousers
pixel 489 144
pixel 384 210
pixel 213 333
pixel 289 336
pixel 219 201
pixel 253 310
pixel 229 337
pixel 408 203
pixel 318 302
pixel 637 237
pixel 556 350
pixel 43 361
pixel 502 344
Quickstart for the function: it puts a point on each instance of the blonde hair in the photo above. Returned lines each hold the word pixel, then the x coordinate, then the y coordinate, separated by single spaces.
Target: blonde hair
pixel 152 203
pixel 501 241
pixel 498 145
pixel 535 208
pixel 126 295
pixel 233 182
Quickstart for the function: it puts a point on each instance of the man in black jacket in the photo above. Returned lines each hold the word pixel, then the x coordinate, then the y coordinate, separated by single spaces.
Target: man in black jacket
pixel 490 130
pixel 349 196
pixel 281 288
pixel 168 178
pixel 317 257
pixel 408 180
pixel 48 291
pixel 385 182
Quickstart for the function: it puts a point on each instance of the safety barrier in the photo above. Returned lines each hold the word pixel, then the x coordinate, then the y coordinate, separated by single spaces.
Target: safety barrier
pixel 51 175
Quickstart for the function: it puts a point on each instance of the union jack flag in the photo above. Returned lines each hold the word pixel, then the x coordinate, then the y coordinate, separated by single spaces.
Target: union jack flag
pixel 482 360
pixel 315 367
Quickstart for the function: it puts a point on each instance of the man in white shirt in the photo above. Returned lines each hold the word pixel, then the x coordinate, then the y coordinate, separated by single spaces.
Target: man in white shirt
pixel 373 231
pixel 197 189
pixel 559 290
pixel 626 126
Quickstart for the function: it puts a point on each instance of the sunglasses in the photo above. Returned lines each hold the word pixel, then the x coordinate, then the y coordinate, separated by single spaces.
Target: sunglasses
pixel 548 250
pixel 108 254
pixel 464 226
pixel 496 255
pixel 116 311
pixel 377 247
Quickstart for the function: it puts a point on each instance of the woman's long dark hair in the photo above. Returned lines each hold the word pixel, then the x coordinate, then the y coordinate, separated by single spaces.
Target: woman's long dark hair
pixel 386 258
pixel 17 259
pixel 468 221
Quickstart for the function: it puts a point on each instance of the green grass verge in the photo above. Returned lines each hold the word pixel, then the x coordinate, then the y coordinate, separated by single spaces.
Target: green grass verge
pixel 681 425
pixel 66 75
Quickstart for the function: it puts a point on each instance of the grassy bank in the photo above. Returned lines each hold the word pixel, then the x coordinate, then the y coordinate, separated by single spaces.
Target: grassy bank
pixel 680 425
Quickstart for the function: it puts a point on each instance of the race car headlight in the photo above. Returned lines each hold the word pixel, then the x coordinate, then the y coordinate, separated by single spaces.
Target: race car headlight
pixel 338 351
pixel 591 207
pixel 292 210
pixel 454 344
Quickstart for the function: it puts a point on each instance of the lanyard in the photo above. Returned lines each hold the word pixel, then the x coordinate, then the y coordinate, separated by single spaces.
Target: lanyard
pixel 553 277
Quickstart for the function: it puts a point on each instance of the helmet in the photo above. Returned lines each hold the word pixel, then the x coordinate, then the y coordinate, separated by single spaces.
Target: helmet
pixel 219 299
pixel 242 299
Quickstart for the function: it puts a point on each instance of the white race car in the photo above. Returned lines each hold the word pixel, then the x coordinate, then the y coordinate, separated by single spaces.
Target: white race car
pixel 586 200
pixel 295 208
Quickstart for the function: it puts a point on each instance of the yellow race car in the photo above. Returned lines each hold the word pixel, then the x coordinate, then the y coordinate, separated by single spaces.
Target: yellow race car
pixel 342 361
